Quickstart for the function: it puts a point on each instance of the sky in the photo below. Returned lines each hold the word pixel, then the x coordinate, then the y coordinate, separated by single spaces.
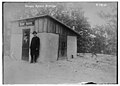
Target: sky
pixel 91 10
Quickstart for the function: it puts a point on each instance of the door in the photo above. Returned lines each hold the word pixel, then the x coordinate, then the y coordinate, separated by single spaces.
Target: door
pixel 71 46
pixel 62 47
pixel 25 44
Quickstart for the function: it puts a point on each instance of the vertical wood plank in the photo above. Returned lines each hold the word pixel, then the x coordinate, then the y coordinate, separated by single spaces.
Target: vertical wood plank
pixel 45 25
pixel 49 26
pixel 53 26
pixel 37 25
pixel 57 28
pixel 40 25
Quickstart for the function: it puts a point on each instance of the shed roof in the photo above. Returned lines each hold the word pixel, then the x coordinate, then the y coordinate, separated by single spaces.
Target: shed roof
pixel 42 16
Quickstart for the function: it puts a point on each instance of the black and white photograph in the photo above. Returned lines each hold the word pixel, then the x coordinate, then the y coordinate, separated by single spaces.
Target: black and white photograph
pixel 60 42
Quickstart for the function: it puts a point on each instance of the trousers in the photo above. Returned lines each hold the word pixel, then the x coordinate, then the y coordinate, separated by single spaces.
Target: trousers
pixel 34 55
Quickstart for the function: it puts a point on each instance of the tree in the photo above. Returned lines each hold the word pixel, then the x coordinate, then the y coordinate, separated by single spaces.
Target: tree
pixel 110 29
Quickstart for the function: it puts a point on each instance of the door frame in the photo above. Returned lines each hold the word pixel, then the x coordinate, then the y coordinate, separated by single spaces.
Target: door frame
pixel 59 51
pixel 23 31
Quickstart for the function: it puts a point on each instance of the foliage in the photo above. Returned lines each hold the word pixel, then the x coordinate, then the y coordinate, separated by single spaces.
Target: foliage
pixel 108 32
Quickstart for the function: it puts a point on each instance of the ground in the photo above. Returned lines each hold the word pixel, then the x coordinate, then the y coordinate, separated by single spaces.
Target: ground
pixel 77 70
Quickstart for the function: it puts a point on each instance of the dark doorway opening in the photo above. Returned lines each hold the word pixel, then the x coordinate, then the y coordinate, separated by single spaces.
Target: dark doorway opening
pixel 62 50
pixel 25 44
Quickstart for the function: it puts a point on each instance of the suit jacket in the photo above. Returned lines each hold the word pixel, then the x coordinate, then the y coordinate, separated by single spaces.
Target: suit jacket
pixel 35 43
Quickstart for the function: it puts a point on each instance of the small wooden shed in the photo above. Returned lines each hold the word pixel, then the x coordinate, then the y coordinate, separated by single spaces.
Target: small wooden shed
pixel 57 41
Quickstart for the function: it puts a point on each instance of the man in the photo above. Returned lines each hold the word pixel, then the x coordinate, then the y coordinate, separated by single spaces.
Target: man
pixel 34 47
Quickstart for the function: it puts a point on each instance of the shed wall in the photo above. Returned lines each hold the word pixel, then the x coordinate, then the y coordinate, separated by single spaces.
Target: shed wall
pixel 16 39
pixel 16 46
pixel 48 47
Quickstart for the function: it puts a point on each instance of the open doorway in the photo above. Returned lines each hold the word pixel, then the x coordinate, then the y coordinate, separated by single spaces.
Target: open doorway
pixel 25 44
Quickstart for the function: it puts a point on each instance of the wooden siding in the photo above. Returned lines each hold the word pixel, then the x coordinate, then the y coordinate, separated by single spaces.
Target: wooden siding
pixel 41 25
pixel 37 25
pixel 50 26
pixel 45 25
pixel 54 27
pixel 57 30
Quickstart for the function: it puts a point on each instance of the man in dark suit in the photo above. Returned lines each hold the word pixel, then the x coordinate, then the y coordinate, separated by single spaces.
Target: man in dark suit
pixel 34 47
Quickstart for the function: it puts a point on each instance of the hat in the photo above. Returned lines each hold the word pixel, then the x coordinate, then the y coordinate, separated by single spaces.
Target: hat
pixel 34 32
